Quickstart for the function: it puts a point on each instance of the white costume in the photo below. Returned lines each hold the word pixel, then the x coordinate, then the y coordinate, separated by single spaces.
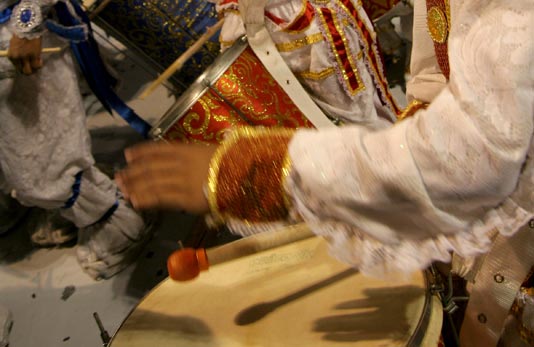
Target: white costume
pixel 46 161
pixel 305 33
pixel 449 178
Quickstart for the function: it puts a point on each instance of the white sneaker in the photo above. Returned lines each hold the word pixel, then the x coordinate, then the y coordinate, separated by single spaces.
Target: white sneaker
pixel 108 247
pixel 6 321
pixel 48 228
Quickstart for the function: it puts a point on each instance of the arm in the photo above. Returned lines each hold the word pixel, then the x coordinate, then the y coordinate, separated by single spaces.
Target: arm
pixel 405 196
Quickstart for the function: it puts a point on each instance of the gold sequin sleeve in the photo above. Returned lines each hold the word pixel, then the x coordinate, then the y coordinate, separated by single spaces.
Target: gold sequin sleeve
pixel 247 173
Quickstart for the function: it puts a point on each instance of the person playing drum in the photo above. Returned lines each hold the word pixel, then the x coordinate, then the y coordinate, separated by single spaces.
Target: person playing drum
pixel 455 177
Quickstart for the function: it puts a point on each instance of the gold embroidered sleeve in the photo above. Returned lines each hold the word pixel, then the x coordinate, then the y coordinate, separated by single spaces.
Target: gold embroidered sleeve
pixel 247 174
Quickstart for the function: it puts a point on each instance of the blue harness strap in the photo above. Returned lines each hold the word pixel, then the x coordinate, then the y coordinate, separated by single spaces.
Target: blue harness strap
pixel 76 28
pixel 5 15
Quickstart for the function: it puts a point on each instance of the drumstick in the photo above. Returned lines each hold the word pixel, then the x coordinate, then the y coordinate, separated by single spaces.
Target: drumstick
pixel 3 53
pixel 185 264
pixel 178 63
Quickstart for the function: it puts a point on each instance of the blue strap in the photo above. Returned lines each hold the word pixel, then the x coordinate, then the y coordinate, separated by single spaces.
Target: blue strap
pixel 75 33
pixel 71 26
pixel 75 190
pixel 5 15
pixel 108 213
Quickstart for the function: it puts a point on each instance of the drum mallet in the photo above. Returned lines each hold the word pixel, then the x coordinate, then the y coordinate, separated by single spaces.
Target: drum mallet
pixel 186 263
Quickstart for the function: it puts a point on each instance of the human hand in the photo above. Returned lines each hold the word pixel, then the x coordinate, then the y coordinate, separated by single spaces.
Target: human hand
pixel 25 54
pixel 166 175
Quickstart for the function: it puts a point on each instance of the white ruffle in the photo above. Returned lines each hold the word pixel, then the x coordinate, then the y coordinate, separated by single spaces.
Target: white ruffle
pixel 377 259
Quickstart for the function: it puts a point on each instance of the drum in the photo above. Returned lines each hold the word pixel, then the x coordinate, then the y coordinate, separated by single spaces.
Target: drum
pixel 162 30
pixel 292 295
pixel 236 90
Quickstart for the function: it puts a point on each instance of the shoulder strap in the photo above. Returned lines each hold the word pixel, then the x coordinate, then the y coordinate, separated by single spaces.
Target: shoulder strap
pixel 252 12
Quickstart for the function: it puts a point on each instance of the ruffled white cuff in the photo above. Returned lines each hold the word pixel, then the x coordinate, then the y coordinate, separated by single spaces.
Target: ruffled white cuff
pixel 379 259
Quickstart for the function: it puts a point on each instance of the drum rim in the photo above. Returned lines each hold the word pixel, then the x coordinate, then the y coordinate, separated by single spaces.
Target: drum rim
pixel 201 85
pixel 424 320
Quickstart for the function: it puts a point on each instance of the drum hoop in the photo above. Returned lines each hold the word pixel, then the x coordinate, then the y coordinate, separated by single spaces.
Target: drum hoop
pixel 201 85
pixel 424 320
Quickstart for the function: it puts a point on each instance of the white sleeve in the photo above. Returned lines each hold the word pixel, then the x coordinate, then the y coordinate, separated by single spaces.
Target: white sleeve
pixel 400 198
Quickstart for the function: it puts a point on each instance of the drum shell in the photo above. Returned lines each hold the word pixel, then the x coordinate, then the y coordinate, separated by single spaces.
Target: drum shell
pixel 162 30
pixel 235 91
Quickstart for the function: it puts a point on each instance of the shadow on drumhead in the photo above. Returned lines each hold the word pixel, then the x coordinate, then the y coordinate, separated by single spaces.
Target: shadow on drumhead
pixel 256 312
pixel 385 314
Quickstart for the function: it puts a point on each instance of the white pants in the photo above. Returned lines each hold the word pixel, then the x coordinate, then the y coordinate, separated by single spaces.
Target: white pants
pixel 44 140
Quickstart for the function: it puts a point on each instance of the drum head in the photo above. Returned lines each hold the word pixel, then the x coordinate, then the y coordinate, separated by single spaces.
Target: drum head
pixel 295 295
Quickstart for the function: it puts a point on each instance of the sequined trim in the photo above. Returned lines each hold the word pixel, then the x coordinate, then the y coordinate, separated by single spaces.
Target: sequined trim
pixel 317 76
pixel 246 176
pixel 370 49
pixel 338 42
pixel 299 43
pixel 437 25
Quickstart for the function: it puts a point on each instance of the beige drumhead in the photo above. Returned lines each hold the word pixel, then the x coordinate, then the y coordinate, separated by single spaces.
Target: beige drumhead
pixel 294 295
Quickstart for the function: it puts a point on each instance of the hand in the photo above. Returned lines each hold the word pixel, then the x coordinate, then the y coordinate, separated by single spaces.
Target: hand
pixel 25 54
pixel 166 175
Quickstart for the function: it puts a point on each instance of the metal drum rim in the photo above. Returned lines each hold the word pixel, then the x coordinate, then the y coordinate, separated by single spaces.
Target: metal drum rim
pixel 201 85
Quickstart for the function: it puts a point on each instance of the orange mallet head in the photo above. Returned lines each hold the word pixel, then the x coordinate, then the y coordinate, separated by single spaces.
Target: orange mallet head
pixel 186 263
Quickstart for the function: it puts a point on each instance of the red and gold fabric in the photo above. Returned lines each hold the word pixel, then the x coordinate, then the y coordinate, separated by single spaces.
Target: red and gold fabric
pixel 247 173
pixel 245 95
pixel 329 45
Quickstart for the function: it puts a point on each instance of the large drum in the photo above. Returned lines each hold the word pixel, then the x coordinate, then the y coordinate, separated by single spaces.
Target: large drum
pixel 236 90
pixel 161 30
pixel 293 295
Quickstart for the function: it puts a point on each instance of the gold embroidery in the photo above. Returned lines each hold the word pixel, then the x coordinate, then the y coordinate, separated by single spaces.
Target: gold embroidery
pixel 299 43
pixel 437 23
pixel 339 28
pixel 317 76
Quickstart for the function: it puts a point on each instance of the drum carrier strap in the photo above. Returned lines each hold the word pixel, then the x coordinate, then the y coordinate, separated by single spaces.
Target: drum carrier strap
pixel 263 46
